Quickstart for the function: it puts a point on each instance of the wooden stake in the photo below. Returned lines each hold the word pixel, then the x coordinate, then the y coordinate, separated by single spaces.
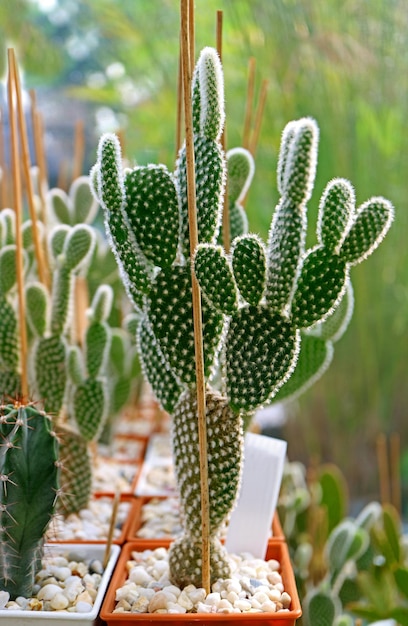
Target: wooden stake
pixel 39 152
pixel 249 103
pixel 79 149
pixel 258 118
pixel 18 211
pixel 115 507
pixel 42 267
pixel 198 331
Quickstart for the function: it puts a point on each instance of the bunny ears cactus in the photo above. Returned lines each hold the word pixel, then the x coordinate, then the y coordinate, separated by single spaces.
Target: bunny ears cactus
pixel 262 301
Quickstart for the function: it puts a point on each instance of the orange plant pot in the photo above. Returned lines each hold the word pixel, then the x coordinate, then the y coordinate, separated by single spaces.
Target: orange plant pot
pixel 276 550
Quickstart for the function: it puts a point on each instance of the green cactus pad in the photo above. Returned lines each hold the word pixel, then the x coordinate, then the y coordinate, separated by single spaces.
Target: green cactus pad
pixel 314 358
pixel 320 287
pixel 59 203
pixel 320 608
pixel 156 369
pixel 75 365
pixel 285 245
pixel 215 276
pixel 8 273
pixel 261 348
pixel 335 212
pixel 299 165
pixel 37 305
pixel 78 246
pixel 101 303
pixel 10 384
pixel 29 486
pixel 76 474
pixel 84 205
pixel 211 84
pixel 152 210
pixel 136 271
pixel 210 181
pixel 90 406
pixel 97 341
pixel 249 265
pixel 240 168
pixel 57 239
pixel 8 336
pixel 171 316
pixel 50 367
pixel 335 325
pixel 368 229
pixel 110 184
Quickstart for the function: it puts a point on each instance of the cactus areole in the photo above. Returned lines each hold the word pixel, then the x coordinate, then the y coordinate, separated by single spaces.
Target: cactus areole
pixel 259 300
pixel 28 493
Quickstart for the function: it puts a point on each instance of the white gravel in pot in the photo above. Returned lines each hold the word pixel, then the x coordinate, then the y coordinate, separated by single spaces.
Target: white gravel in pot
pixel 67 584
pixel 255 586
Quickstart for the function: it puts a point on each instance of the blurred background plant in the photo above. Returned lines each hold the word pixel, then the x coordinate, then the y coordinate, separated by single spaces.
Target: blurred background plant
pixel 113 66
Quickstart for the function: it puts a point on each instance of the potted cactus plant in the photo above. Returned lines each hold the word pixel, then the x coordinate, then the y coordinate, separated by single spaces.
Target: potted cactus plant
pixel 259 299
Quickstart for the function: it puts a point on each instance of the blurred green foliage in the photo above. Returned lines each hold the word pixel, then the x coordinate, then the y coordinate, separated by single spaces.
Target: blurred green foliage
pixel 343 62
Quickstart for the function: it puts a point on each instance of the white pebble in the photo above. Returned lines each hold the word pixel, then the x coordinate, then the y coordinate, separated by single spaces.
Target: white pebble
pixel 174 607
pixel 4 598
pixel 268 607
pixel 213 598
pixel 243 605
pixel 83 607
pixel 48 592
pixel 184 600
pixel 59 602
pixel 139 576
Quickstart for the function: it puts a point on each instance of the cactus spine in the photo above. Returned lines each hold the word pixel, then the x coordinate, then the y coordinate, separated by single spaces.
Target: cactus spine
pixel 258 299
pixel 27 497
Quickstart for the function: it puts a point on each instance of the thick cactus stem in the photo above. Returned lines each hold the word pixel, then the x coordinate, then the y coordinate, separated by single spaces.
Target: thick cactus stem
pixel 225 453
pixel 28 493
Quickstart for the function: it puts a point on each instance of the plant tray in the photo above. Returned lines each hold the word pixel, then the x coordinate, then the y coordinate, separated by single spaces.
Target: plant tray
pixel 277 550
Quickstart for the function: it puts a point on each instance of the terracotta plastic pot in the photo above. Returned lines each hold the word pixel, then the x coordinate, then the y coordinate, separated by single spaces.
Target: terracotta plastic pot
pixel 276 550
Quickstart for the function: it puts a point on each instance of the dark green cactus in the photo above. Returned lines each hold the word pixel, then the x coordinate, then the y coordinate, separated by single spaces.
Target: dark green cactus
pixel 29 487
pixel 258 300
